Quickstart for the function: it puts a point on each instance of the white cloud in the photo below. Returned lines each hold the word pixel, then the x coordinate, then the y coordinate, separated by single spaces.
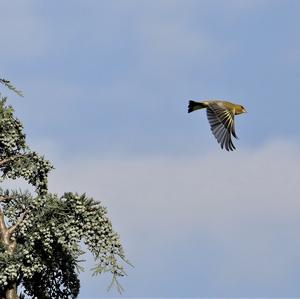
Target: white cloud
pixel 246 180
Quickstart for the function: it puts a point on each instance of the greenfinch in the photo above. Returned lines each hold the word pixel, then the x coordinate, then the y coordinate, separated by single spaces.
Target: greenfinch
pixel 220 115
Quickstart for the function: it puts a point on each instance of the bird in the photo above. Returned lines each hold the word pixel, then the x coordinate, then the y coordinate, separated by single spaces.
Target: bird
pixel 220 115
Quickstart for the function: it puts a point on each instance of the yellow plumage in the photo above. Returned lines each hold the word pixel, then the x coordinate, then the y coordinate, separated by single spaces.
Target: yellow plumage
pixel 220 115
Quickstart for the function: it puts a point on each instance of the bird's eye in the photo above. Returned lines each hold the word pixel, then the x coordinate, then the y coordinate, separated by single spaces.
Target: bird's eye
pixel 242 107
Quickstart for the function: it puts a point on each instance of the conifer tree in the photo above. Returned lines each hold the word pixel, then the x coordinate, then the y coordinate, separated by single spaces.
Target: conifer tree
pixel 41 234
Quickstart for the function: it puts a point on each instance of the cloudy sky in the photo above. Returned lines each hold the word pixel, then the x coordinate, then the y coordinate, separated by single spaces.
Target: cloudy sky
pixel 106 87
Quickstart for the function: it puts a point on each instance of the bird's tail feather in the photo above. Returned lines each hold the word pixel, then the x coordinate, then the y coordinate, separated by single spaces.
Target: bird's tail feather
pixel 195 106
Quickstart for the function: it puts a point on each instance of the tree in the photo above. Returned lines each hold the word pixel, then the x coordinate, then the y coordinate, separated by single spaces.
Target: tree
pixel 41 234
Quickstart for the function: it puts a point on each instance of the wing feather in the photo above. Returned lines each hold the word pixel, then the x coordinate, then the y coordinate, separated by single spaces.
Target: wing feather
pixel 221 123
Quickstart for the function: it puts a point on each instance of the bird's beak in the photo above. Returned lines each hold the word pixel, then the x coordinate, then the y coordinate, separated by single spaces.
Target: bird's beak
pixel 244 111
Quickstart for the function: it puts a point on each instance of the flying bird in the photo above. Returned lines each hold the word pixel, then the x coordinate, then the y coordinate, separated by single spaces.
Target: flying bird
pixel 220 115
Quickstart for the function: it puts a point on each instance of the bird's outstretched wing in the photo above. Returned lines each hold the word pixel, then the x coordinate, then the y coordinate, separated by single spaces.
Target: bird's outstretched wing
pixel 221 122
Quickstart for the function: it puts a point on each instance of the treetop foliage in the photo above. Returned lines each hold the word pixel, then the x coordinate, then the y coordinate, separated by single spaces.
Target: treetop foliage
pixel 41 234
pixel 16 158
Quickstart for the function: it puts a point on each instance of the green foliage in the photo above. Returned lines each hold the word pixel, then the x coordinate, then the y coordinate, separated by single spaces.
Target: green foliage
pixel 49 229
pixel 48 243
pixel 21 161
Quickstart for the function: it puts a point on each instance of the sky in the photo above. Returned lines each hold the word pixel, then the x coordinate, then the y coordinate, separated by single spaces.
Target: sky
pixel 106 87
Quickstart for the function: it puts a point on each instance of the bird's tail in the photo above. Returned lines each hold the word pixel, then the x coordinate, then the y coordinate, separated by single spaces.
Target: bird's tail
pixel 195 106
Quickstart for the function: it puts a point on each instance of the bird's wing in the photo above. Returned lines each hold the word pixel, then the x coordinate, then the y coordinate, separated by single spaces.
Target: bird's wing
pixel 221 123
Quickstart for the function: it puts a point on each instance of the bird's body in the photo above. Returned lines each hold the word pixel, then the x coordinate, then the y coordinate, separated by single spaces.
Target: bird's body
pixel 220 115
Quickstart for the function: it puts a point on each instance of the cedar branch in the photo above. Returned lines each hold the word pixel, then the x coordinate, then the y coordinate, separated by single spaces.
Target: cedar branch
pixel 18 223
pixel 4 161
pixel 6 198
pixel 3 227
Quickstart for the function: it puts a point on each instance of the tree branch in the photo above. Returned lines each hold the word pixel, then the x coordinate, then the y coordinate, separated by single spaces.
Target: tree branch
pixel 11 87
pixel 17 224
pixel 6 198
pixel 2 162
pixel 3 227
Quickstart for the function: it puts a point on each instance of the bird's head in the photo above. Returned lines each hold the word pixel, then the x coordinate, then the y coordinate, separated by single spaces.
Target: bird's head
pixel 239 109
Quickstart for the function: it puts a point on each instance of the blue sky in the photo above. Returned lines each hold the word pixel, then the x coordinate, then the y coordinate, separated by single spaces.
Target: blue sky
pixel 106 87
